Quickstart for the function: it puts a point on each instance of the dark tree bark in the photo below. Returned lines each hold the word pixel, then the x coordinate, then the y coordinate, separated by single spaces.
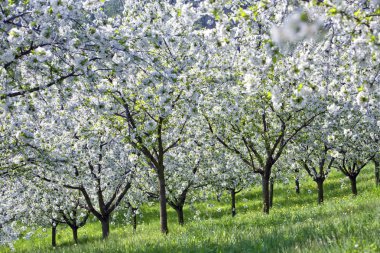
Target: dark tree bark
pixel 178 207
pixel 54 235
pixel 105 227
pixel 320 189
pixel 134 219
pixel 75 234
pixel 376 161
pixel 265 192
pixel 74 222
pixel 271 188
pixel 297 185
pixel 233 202
pixel 178 203
pixel 181 220
pixel 319 170
pixel 105 208
pixel 352 168
pixel 353 185
pixel 163 210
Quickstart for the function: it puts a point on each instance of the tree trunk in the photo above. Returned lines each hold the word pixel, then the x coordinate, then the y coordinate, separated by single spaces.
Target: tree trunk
pixel 105 227
pixel 163 211
pixel 53 236
pixel 265 189
pixel 353 185
pixel 179 210
pixel 271 192
pixel 134 219
pixel 377 170
pixel 218 195
pixel 320 190
pixel 75 234
pixel 297 185
pixel 233 202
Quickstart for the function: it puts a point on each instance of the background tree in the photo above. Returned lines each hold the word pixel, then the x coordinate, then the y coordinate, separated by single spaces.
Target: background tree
pixel 151 80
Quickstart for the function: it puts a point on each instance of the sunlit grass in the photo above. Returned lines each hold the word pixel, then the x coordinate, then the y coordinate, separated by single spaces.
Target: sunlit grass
pixel 296 224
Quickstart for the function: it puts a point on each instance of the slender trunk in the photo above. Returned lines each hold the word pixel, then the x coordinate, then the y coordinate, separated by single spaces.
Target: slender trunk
pixel 75 234
pixel 233 202
pixel 353 185
pixel 377 171
pixel 105 227
pixel 53 236
pixel 297 185
pixel 271 187
pixel 265 189
pixel 218 195
pixel 134 219
pixel 320 190
pixel 179 210
pixel 163 211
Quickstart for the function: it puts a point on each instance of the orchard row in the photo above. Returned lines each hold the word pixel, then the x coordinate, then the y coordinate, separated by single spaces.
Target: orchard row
pixel 108 105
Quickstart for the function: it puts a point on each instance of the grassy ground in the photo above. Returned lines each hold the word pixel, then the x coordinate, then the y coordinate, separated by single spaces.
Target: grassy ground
pixel 296 224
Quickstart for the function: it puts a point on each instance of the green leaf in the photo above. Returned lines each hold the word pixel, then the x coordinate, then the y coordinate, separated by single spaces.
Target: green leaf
pixel 254 9
pixel 299 88
pixel 243 14
pixel 357 13
pixel 216 14
pixel 333 11
pixel 304 17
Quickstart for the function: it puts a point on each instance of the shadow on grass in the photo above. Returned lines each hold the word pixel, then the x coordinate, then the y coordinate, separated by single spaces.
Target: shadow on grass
pixel 281 232
pixel 295 220
pixel 268 235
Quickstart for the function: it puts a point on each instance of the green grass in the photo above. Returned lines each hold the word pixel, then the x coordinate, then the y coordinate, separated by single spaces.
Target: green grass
pixel 296 224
